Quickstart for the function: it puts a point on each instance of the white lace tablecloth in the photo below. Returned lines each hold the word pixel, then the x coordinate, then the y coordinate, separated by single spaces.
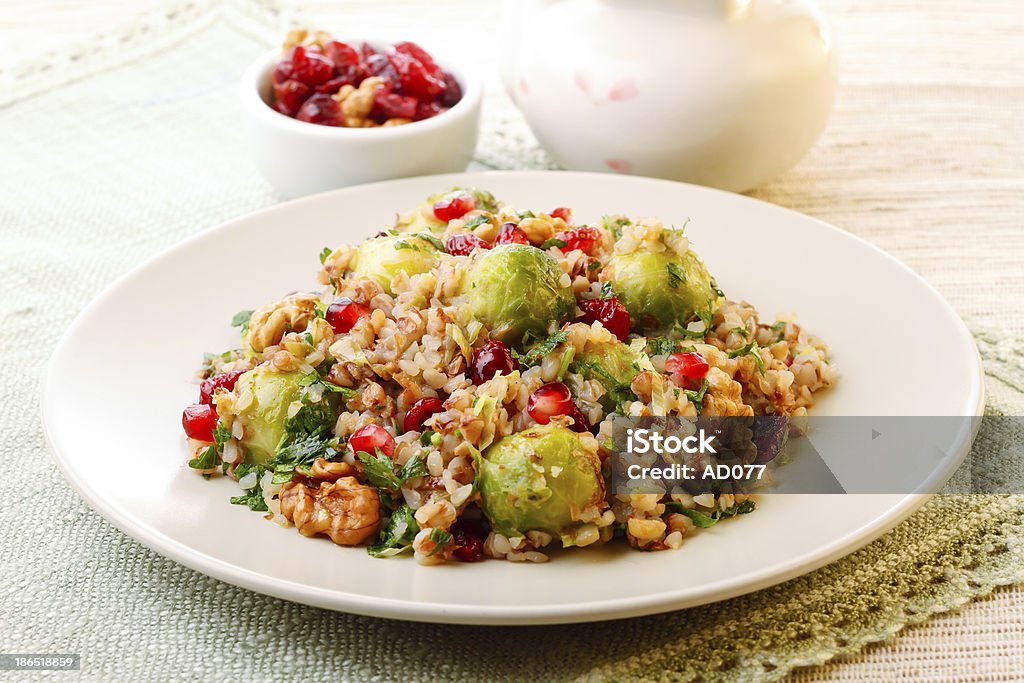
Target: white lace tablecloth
pixel 123 140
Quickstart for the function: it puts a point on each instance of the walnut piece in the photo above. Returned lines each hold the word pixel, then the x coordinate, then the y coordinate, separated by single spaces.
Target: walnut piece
pixel 357 103
pixel 345 510
pixel 268 325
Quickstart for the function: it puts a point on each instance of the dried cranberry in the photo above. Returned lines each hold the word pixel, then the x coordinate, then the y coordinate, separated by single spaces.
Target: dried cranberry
pixel 282 72
pixel 199 421
pixel 334 85
pixel 310 67
pixel 564 213
pixel 415 78
pixel 343 314
pixel 392 105
pixel 369 438
pixel 416 52
pixel 464 243
pixel 452 91
pixel 341 55
pixel 691 365
pixel 378 65
pixel 454 206
pixel 609 312
pixel 289 96
pixel 225 379
pixel 469 543
pixel 510 233
pixel 321 109
pixel 553 400
pixel 420 411
pixel 584 239
pixel 491 359
pixel 428 110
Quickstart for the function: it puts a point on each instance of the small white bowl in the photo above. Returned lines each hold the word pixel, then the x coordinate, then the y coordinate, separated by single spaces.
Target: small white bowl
pixel 300 158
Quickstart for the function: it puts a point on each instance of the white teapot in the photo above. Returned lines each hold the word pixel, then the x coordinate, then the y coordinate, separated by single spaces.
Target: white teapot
pixel 726 93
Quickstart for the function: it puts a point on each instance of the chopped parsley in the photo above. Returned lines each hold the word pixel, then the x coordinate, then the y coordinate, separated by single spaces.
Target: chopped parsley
pixel 324 253
pixel 661 346
pixel 742 331
pixel 476 221
pixel 714 288
pixel 253 497
pixel 206 460
pixel 676 276
pixel 241 319
pixel 434 242
pixel 534 355
pixel 553 242
pixel 440 538
pixel 704 520
pixel 397 535
pixel 753 350
pixel 697 397
pixel 606 290
pixel 380 469
pixel 615 224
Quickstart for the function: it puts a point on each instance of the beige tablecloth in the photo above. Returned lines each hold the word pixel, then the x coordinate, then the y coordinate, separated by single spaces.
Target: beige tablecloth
pixel 923 157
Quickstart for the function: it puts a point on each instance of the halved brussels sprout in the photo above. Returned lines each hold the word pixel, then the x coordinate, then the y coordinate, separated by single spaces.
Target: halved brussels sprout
pixel 539 479
pixel 661 290
pixel 382 258
pixel 515 289
pixel 264 419
pixel 614 365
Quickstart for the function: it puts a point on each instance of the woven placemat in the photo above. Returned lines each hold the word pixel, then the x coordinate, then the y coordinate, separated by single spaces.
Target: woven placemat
pixel 147 153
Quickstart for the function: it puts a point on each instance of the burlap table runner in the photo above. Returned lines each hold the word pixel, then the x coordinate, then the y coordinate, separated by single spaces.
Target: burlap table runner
pixel 102 172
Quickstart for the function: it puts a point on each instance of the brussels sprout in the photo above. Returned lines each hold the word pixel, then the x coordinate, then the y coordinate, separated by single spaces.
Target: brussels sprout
pixel 382 258
pixel 614 365
pixel 515 289
pixel 539 479
pixel 264 419
pixel 661 290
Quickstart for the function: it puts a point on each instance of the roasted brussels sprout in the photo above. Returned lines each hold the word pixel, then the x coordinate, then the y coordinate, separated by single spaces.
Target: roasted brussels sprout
pixel 515 289
pixel 661 290
pixel 382 258
pixel 540 479
pixel 285 409
pixel 263 419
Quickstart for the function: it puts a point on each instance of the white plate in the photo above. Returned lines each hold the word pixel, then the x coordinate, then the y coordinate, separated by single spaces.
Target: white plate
pixel 120 376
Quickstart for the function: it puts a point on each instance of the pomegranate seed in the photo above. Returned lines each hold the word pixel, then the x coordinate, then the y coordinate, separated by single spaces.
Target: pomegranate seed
pixel 392 105
pixel 510 233
pixel 224 379
pixel 584 239
pixel 310 67
pixel 691 365
pixel 491 359
pixel 343 314
pixel 321 109
pixel 609 312
pixel 368 438
pixel 420 411
pixel 289 96
pixel 579 421
pixel 469 542
pixel 564 213
pixel 199 421
pixel 553 400
pixel 464 243
pixel 456 206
